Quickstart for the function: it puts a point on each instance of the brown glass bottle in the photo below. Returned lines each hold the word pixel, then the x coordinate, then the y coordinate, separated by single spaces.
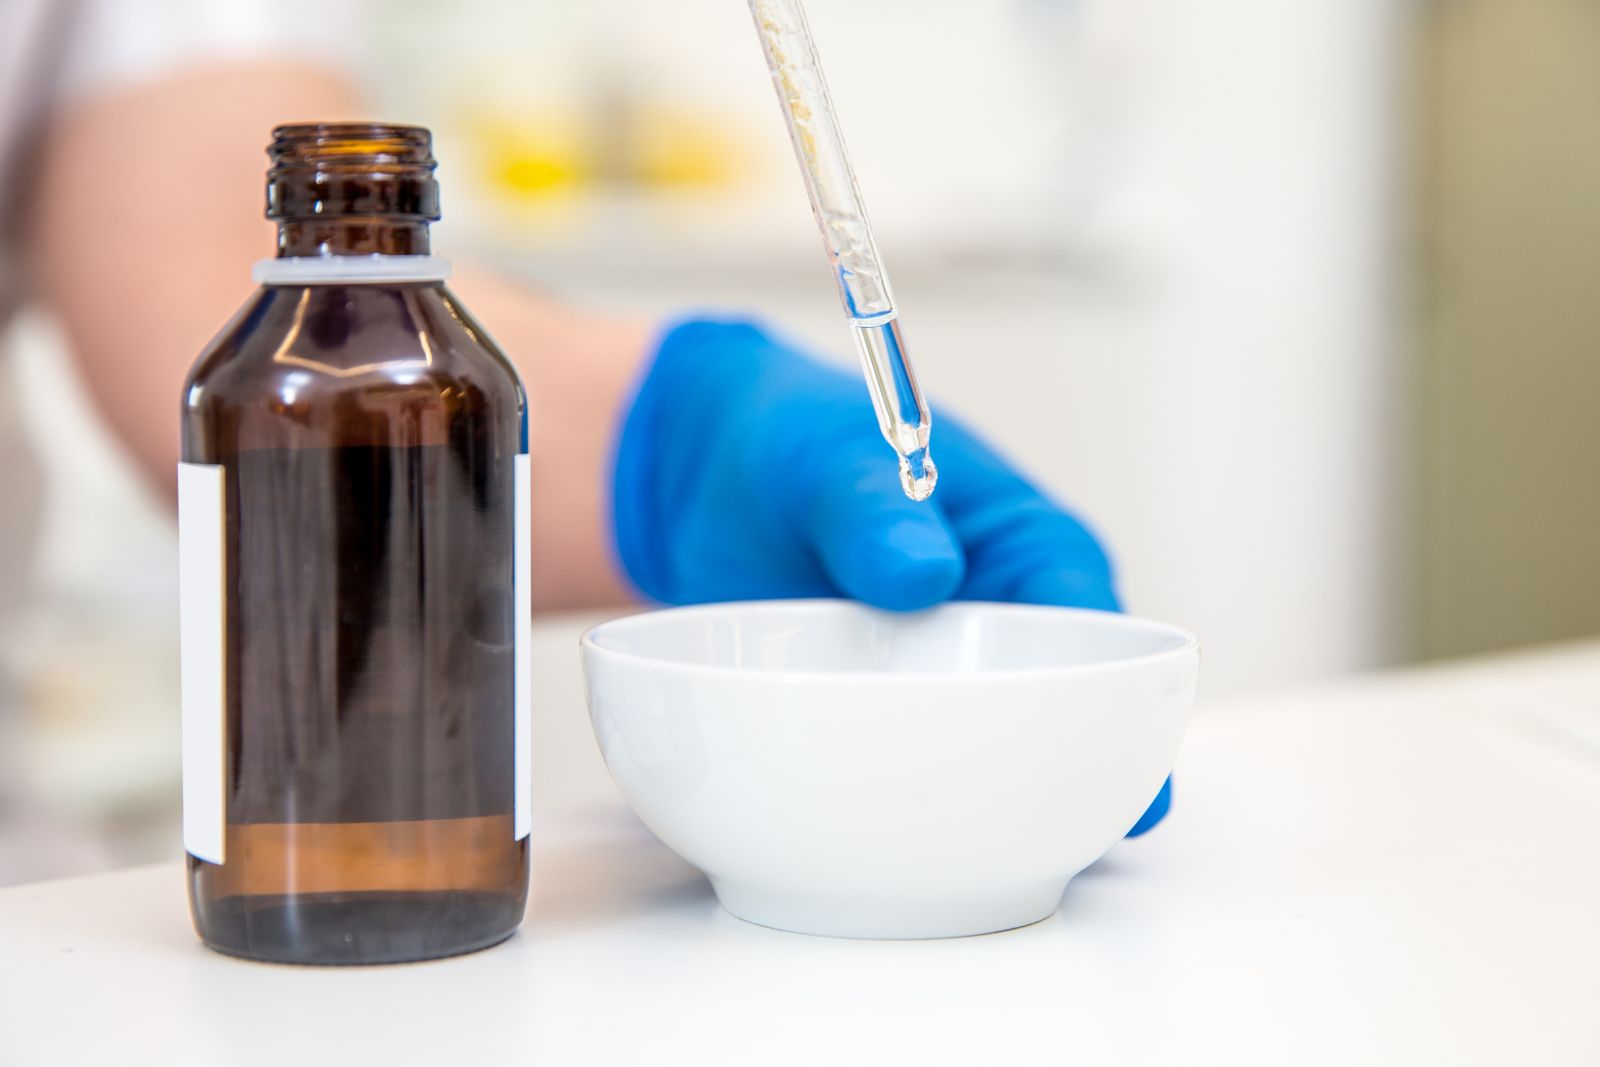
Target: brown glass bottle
pixel 362 433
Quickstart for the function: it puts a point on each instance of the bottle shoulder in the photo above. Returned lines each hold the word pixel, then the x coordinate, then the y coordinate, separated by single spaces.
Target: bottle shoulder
pixel 297 342
pixel 353 363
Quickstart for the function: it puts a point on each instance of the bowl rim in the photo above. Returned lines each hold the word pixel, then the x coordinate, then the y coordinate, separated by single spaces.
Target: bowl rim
pixel 1189 644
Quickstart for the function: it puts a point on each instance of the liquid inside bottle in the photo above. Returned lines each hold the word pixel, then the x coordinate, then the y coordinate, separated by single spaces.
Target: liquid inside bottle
pixel 353 474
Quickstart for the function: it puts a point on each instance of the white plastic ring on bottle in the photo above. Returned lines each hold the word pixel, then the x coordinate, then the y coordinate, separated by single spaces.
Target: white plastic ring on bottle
pixel 349 270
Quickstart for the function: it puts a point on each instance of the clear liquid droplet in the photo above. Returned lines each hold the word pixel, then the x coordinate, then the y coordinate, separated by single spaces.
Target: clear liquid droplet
pixel 918 475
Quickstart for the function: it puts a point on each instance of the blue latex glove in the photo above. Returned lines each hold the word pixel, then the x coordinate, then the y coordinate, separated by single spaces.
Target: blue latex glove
pixel 746 471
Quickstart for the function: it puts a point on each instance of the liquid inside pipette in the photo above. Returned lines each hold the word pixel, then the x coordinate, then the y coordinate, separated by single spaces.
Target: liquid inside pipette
pixel 902 417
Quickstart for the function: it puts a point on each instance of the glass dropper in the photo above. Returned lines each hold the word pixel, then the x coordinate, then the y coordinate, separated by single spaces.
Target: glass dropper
pixel 858 270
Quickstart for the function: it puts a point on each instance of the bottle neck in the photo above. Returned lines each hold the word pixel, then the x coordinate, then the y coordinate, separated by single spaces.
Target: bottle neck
pixel 353 236
pixel 351 189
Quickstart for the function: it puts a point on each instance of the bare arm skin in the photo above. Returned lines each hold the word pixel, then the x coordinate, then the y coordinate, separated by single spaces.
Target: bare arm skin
pixel 141 192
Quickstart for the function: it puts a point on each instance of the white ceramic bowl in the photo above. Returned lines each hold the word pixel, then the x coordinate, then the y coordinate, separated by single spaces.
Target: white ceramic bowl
pixel 839 770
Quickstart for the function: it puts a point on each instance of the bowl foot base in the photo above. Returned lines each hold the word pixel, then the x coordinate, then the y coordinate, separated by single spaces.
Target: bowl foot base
pixel 898 919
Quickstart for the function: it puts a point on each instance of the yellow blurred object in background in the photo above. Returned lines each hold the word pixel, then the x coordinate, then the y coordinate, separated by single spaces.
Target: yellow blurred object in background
pixel 531 155
pixel 677 147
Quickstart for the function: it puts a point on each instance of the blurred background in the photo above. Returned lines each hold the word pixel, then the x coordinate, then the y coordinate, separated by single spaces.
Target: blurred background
pixel 1290 301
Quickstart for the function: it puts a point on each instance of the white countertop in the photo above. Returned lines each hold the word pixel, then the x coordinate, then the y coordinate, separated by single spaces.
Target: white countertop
pixel 1402 869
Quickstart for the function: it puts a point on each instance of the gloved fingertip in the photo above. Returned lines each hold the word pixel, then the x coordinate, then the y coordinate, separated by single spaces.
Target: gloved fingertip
pixel 1069 589
pixel 1156 811
pixel 896 562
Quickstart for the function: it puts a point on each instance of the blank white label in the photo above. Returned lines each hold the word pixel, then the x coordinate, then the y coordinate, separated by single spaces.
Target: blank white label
pixel 201 568
pixel 522 739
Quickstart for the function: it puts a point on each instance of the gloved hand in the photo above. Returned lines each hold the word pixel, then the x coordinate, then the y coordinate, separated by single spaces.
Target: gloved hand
pixel 746 471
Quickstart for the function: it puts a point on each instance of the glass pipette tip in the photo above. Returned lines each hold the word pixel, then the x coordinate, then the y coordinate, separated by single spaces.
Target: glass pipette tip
pixel 902 416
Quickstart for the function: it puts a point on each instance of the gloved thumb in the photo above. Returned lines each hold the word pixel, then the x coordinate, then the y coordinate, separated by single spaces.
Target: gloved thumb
pixel 875 544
